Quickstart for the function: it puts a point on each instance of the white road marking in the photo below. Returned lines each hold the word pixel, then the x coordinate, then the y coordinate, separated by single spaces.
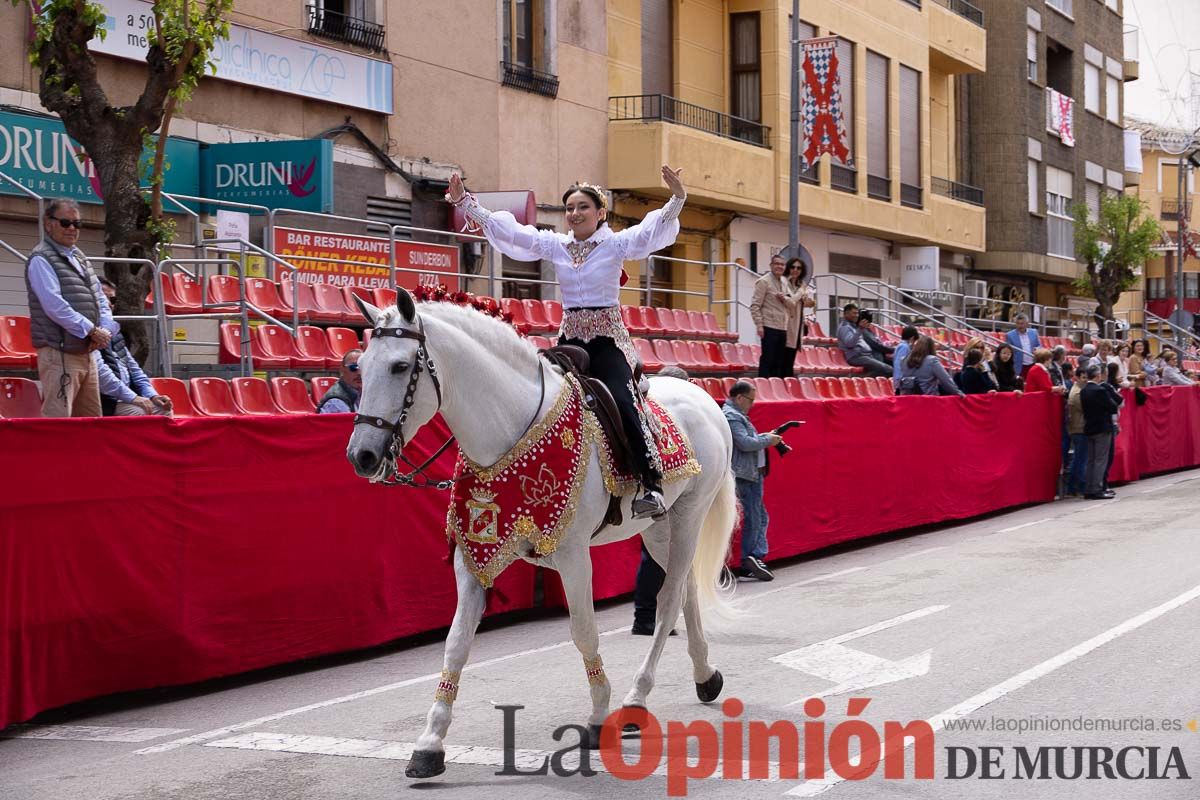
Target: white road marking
pixel 973 704
pixel 524 760
pixel 1025 525
pixel 853 670
pixel 926 551
pixel 88 733
pixel 797 584
pixel 216 733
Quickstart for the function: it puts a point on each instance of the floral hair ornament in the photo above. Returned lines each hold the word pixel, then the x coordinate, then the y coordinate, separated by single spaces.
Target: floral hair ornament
pixel 590 187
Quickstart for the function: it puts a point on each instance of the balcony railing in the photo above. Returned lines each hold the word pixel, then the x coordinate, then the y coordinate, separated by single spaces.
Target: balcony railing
pixel 963 192
pixel 1130 38
pixel 342 28
pixel 529 79
pixel 1170 209
pixel 1060 116
pixel 844 179
pixel 911 196
pixel 879 188
pixel 965 10
pixel 667 109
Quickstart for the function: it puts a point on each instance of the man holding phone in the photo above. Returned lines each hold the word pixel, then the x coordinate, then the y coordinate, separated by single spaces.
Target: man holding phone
pixel 749 469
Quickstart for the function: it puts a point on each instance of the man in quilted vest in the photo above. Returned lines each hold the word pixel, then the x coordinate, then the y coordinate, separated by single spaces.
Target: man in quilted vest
pixel 69 316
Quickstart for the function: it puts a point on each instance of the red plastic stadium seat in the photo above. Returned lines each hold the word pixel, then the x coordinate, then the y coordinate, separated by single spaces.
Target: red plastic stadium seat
pixel 704 357
pixel 683 321
pixel 654 323
pixel 16 346
pixel 816 335
pixel 715 388
pixel 666 353
pixel 808 388
pixel 341 341
pixel 177 390
pixel 320 385
pixel 511 305
pixel 779 389
pixel 806 360
pixel 869 388
pixel 291 396
pixel 649 359
pixel 223 290
pixel 253 396
pixel 733 358
pixel 231 349
pixel 839 361
pixel 187 292
pixel 765 392
pixel 670 322
pixel 19 397
pixel 311 342
pixel 830 388
pixel 700 325
pixel 265 295
pixel 172 302
pixel 553 312
pixel 685 357
pixel 714 328
pixel 717 356
pixel 850 388
pixel 305 299
pixel 755 351
pixel 384 297
pixel 793 388
pixel 634 322
pixel 886 387
pixel 535 312
pixel 728 384
pixel 212 398
pixel 331 304
pixel 277 343
pixel 348 295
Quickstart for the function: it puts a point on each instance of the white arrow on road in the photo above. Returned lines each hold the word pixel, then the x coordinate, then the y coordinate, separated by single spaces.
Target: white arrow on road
pixel 853 670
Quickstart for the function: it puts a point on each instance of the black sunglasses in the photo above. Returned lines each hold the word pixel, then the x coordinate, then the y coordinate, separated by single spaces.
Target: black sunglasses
pixel 352 367
pixel 68 223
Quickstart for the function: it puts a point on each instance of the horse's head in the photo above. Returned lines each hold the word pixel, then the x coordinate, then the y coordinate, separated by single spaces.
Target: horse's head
pixel 400 388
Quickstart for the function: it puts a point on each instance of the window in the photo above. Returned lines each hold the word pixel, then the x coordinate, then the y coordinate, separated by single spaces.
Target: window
pixel 846 178
pixel 1060 228
pixel 350 21
pixel 910 137
pixel 1191 284
pixel 1113 5
pixel 1059 68
pixel 807 31
pixel 1112 94
pixel 1093 65
pixel 746 67
pixel 879 176
pixel 1031 54
pixel 526 56
pixel 656 47
pixel 1093 191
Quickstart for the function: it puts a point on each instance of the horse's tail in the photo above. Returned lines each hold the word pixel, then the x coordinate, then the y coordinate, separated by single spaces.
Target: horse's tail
pixel 713 590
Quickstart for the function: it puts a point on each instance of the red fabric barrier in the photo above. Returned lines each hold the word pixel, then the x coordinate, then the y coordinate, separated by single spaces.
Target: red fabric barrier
pixel 140 552
pixel 160 552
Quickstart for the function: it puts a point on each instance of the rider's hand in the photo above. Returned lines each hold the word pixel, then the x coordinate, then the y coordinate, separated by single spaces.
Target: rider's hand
pixel 457 190
pixel 671 178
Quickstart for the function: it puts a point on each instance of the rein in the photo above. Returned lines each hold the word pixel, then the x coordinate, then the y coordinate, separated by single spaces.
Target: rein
pixel 388 473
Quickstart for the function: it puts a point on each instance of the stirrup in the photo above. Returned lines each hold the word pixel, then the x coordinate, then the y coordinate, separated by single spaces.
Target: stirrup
pixel 649 506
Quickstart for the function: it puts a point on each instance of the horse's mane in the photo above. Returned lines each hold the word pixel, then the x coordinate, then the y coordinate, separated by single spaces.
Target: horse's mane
pixel 494 334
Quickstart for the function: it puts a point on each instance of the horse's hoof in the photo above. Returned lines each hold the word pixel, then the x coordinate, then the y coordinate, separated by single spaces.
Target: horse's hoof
pixel 631 727
pixel 711 689
pixel 593 737
pixel 426 764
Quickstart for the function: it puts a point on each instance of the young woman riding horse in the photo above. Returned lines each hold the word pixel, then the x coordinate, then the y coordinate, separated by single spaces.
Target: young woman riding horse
pixel 589 262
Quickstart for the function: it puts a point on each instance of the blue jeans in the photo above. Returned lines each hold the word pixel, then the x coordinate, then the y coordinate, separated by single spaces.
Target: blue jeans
pixel 754 518
pixel 1076 477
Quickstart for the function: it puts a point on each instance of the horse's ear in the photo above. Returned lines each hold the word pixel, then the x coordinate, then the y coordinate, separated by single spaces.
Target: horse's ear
pixel 369 311
pixel 405 304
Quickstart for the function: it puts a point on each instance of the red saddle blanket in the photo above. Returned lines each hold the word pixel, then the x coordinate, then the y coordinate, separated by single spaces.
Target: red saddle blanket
pixel 533 492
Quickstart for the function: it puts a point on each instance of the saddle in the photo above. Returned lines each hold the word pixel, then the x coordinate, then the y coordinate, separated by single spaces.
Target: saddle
pixel 599 400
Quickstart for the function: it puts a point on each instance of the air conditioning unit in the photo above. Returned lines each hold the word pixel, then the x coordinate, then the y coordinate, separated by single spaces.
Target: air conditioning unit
pixel 976 292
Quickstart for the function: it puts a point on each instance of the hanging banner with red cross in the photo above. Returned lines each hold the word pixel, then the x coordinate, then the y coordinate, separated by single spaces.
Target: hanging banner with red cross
pixel 821 104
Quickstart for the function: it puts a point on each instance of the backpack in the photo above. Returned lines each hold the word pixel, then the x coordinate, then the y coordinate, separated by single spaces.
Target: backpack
pixel 908 385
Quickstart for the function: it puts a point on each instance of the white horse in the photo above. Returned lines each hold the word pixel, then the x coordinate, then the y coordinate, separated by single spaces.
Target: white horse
pixel 487 381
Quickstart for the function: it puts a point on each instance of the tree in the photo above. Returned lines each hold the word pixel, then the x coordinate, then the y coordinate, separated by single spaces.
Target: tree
pixel 115 137
pixel 1118 240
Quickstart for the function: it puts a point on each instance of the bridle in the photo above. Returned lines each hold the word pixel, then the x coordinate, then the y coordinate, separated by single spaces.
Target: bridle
pixel 387 473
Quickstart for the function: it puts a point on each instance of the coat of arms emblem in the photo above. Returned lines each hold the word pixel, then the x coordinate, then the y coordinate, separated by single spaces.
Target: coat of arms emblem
pixel 484 523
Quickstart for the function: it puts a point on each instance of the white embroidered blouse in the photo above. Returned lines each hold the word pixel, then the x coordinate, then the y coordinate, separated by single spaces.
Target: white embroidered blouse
pixel 589 272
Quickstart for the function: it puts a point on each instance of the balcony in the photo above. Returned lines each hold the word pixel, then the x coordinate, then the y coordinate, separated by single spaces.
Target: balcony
pixel 1170 210
pixel 343 28
pixel 529 79
pixel 726 161
pixel 911 196
pixel 1060 116
pixel 962 192
pixel 957 39
pixel 879 187
pixel 668 109
pixel 1130 69
pixel 844 179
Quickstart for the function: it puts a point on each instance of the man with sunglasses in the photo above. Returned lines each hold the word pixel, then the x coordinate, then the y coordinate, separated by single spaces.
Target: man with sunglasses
pixel 69 316
pixel 342 397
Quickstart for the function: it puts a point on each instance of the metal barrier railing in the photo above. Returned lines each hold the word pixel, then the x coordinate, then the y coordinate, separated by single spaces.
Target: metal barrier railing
pixel 25 190
pixel 1181 334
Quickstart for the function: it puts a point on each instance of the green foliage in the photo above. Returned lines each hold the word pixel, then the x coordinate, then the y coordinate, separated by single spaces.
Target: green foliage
pixel 1111 246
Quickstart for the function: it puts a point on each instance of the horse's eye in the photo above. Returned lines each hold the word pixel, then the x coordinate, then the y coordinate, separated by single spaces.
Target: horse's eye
pixel 399 368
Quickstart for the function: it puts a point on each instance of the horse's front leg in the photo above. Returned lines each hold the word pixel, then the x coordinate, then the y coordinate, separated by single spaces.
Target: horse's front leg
pixel 429 757
pixel 575 568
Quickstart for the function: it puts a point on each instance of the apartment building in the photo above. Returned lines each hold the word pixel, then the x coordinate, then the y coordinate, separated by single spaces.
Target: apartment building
pixel 705 85
pixel 1047 134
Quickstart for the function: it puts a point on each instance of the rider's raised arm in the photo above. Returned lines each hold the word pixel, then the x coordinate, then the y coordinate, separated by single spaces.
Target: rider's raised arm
pixel 522 242
pixel 656 231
